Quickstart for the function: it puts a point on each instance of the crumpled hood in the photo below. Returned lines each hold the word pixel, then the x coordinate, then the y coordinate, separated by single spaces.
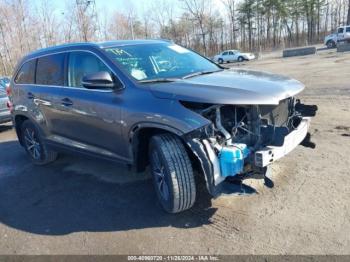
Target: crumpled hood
pixel 233 86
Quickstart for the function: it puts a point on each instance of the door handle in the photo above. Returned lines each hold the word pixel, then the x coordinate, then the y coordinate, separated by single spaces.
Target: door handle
pixel 66 102
pixel 30 95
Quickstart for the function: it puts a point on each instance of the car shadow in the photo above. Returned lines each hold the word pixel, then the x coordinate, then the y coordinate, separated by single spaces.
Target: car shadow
pixel 58 200
pixel 325 49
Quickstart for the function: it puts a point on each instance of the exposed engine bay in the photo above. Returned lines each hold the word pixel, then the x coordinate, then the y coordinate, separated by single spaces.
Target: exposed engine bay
pixel 251 125
pixel 249 137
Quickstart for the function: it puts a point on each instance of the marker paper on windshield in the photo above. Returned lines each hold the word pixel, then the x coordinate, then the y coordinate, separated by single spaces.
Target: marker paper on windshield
pixel 178 49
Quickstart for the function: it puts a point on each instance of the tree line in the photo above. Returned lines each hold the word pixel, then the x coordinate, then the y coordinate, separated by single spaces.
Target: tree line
pixel 207 26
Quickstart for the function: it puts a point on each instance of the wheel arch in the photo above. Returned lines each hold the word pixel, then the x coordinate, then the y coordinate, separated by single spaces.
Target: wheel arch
pixel 18 121
pixel 140 137
pixel 331 41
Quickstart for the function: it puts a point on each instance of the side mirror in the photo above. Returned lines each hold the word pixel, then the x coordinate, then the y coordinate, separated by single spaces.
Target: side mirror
pixel 99 80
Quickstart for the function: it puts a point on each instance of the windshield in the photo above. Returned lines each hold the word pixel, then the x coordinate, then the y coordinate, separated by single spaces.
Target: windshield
pixel 161 60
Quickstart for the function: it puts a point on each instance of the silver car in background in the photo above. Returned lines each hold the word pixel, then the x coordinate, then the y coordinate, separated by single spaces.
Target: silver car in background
pixel 233 56
pixel 5 115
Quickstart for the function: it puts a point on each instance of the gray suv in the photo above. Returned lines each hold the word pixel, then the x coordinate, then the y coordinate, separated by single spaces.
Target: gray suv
pixel 152 102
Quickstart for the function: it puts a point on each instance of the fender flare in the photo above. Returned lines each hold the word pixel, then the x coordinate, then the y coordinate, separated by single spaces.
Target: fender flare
pixel 134 142
pixel 28 117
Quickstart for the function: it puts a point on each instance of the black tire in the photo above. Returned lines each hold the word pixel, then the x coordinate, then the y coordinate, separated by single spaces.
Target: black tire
pixel 331 44
pixel 34 146
pixel 220 61
pixel 172 173
pixel 240 59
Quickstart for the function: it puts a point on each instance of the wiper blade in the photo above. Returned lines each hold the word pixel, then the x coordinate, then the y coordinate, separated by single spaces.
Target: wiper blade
pixel 201 73
pixel 159 80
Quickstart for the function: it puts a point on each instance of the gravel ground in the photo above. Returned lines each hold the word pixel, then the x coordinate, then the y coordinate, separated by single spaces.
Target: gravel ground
pixel 87 206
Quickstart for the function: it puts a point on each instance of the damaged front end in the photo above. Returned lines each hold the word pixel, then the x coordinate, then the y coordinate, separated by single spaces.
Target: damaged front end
pixel 242 140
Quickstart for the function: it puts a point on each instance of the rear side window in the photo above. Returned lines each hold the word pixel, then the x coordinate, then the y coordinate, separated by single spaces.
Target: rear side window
pixel 348 29
pixel 50 70
pixel 27 73
pixel 225 53
pixel 340 30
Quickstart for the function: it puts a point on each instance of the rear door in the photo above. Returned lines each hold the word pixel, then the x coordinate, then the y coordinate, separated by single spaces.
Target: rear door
pixel 231 55
pixel 48 92
pixel 225 56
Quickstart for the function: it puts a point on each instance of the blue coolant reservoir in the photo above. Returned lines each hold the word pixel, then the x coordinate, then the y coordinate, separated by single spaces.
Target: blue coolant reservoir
pixel 232 159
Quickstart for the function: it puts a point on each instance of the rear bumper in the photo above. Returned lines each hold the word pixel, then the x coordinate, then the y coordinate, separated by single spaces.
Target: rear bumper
pixel 251 57
pixel 270 154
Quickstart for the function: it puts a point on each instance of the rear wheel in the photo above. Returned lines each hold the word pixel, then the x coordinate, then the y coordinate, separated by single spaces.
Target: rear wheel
pixel 172 173
pixel 34 146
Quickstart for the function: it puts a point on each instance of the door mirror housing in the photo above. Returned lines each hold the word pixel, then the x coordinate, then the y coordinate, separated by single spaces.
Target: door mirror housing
pixel 99 80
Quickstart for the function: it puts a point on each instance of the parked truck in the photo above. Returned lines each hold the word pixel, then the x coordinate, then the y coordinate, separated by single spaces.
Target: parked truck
pixel 342 35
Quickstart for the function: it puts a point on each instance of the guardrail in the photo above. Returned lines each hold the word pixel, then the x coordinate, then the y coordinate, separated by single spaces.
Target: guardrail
pixel 299 51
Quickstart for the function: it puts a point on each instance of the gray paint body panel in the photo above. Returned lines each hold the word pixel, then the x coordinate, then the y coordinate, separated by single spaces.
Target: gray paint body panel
pixel 236 86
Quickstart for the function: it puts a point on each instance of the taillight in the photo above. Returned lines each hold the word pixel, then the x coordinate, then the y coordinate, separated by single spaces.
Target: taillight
pixel 8 90
pixel 10 106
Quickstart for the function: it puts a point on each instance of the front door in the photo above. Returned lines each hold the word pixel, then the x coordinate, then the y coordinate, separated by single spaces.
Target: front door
pixel 341 34
pixel 92 116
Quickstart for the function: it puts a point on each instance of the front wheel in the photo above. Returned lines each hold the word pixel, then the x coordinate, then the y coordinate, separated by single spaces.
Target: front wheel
pixel 221 61
pixel 331 44
pixel 34 146
pixel 172 173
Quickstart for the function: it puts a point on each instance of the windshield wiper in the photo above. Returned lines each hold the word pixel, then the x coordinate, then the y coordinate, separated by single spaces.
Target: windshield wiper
pixel 159 80
pixel 201 73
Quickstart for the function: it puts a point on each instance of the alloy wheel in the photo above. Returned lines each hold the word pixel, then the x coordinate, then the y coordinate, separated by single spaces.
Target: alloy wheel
pixel 32 143
pixel 159 176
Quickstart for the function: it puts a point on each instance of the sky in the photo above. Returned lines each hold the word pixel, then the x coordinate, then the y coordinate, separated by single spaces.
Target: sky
pixel 107 7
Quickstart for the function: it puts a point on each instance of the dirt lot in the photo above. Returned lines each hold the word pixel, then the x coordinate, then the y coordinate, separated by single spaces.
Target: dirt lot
pixel 85 206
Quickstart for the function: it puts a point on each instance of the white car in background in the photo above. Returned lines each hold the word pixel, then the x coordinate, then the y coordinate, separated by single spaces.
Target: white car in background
pixel 233 56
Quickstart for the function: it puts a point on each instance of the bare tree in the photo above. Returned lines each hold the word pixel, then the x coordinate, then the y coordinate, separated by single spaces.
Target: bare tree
pixel 348 20
pixel 47 24
pixel 231 11
pixel 199 10
pixel 86 19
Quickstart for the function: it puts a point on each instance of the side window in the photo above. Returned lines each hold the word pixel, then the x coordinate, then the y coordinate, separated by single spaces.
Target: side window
pixel 81 64
pixel 231 53
pixel 50 70
pixel 341 30
pixel 225 53
pixel 27 73
pixel 348 29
